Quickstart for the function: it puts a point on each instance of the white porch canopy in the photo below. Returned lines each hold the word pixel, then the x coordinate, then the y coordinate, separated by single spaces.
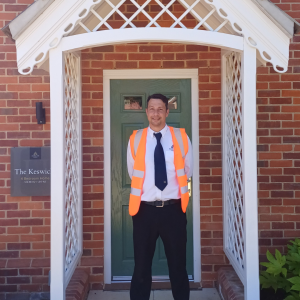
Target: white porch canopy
pixel 49 34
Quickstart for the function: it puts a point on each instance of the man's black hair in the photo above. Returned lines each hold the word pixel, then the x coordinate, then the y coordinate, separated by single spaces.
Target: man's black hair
pixel 163 98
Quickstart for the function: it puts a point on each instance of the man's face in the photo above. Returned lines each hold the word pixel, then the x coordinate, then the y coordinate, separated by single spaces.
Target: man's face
pixel 157 113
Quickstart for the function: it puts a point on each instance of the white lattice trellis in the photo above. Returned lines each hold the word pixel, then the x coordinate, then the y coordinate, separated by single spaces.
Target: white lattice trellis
pixel 141 15
pixel 72 159
pixel 234 195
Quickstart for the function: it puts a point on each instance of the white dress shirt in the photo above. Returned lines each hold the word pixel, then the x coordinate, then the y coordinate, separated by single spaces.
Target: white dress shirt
pixel 150 191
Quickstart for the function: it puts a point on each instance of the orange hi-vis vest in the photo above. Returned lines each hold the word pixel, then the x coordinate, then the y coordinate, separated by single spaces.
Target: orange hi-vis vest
pixel 138 150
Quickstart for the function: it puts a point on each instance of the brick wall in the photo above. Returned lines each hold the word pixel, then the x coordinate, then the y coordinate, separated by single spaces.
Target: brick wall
pixel 278 129
pixel 24 222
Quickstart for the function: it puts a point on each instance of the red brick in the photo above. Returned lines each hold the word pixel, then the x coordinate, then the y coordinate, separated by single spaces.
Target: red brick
pixel 271 217
pixel 271 233
pixel 292 186
pixel 9 222
pixel 173 64
pixel 196 48
pixel 280 194
pixel 291 139
pixel 186 56
pixel 269 93
pixel 31 271
pixel 282 179
pixel 163 56
pixel 209 55
pixel 283 225
pixel 31 253
pixel 8 206
pixel 291 233
pixel 150 48
pixel 9 254
pixel 31 222
pixel 18 280
pixel 291 217
pixel 18 246
pixel 126 48
pixel 18 263
pixel 109 48
pixel 139 56
pixel 18 230
pixel 43 262
pixel 173 48
pixel 98 64
pixel 115 56
pixel 8 272
pixel 268 78
pixel 280 85
pixel 126 64
pixel 282 210
pixel 291 93
pixel 269 124
pixel 92 56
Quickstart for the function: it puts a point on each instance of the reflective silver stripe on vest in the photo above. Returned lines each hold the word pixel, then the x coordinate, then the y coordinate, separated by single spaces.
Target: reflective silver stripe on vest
pixel 137 173
pixel 137 140
pixel 135 192
pixel 180 172
pixel 184 189
pixel 179 140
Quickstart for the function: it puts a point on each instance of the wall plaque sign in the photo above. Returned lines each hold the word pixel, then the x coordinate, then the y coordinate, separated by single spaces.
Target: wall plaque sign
pixel 30 171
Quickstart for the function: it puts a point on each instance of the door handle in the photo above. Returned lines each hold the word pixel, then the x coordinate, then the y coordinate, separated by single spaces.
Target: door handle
pixel 190 187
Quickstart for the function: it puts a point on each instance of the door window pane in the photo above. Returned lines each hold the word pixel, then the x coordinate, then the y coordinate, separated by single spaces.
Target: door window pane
pixel 173 103
pixel 133 102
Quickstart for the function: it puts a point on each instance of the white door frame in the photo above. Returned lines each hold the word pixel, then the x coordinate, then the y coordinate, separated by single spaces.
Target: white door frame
pixel 150 74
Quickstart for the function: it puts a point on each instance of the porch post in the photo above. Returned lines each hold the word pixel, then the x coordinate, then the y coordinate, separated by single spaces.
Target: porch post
pixel 57 284
pixel 251 284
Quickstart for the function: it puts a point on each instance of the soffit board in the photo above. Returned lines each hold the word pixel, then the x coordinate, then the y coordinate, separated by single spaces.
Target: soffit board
pixel 62 18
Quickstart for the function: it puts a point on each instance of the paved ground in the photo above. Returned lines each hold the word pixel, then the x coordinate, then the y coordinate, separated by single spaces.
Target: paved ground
pixel 205 294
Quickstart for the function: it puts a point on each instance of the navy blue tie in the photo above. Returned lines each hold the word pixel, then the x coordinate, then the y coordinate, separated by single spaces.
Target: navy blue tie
pixel 161 180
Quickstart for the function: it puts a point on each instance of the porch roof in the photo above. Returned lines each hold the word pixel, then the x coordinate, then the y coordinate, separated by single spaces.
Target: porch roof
pixel 42 25
pixel 19 24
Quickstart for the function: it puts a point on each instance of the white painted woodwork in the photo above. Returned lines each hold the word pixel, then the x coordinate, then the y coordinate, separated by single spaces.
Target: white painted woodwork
pixel 107 179
pixel 66 171
pixel 258 30
pixel 82 17
pixel 233 173
pixel 196 178
pixel 169 35
pixel 224 54
pixel 57 285
pixel 150 74
pixel 240 216
pixel 80 153
pixel 251 283
pixel 73 163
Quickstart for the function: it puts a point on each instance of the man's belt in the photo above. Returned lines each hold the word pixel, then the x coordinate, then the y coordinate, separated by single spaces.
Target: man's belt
pixel 159 203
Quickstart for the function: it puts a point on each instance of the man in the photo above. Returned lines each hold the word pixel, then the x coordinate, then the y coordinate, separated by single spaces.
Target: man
pixel 159 161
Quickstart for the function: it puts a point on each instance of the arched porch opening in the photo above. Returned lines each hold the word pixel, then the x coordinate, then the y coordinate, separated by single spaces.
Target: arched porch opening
pixel 65 92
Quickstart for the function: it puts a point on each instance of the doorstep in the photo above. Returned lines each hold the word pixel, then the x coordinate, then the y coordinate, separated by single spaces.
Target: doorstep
pixel 204 294
pixel 156 285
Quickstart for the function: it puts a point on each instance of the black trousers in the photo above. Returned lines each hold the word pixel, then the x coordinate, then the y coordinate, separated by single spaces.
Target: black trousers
pixel 169 223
